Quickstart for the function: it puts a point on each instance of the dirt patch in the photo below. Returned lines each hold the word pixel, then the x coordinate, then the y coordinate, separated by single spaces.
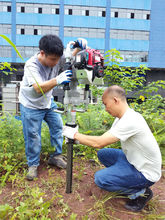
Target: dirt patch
pixel 87 201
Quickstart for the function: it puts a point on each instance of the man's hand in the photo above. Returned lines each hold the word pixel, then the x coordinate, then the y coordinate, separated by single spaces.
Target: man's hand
pixel 80 43
pixel 64 77
pixel 69 132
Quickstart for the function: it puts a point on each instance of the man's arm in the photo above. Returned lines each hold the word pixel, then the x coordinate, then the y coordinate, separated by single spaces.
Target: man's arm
pixel 96 141
pixel 45 86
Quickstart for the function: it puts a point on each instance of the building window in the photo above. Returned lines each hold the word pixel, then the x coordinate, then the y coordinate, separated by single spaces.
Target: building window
pixel 132 15
pixel 22 31
pixel 35 10
pixel 70 11
pixel 22 9
pixel 39 32
pixel 87 12
pixel 116 14
pixel 103 13
pixel 99 14
pixel 112 14
pixel 35 32
pixel 40 10
pixel 57 11
pixel 83 12
pixel 148 16
pixel 8 8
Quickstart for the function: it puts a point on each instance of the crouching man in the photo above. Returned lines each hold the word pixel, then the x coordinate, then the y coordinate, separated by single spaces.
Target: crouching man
pixel 132 170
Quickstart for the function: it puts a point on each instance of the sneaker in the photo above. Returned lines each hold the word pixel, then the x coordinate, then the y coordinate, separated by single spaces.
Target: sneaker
pixel 57 161
pixel 139 203
pixel 32 173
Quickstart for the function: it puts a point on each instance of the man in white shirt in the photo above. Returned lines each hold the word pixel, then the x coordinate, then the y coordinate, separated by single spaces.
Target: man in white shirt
pixel 132 170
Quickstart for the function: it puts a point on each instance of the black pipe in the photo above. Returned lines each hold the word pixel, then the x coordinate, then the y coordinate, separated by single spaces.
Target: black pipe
pixel 69 162
pixel 69 166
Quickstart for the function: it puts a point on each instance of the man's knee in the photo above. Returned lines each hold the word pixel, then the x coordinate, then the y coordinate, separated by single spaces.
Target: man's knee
pixel 97 178
pixel 100 154
pixel 100 179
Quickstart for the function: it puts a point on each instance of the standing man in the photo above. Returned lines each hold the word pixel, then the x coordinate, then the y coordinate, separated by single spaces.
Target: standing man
pixel 41 74
pixel 132 170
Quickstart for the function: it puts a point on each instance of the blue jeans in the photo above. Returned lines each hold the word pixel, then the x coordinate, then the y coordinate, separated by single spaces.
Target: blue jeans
pixel 32 121
pixel 119 175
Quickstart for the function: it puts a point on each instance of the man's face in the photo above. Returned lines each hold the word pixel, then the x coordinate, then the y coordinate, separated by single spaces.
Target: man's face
pixel 49 60
pixel 110 105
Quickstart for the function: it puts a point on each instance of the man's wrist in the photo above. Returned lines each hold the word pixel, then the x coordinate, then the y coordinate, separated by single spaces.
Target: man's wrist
pixel 55 81
pixel 75 135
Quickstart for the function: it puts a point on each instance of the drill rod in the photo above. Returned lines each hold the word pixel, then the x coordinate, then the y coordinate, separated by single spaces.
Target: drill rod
pixel 69 166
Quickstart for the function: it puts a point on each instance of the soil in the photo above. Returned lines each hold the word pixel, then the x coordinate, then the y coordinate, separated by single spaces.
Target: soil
pixel 86 197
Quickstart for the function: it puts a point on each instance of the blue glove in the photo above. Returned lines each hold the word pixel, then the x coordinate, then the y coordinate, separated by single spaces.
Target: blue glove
pixel 64 77
pixel 80 43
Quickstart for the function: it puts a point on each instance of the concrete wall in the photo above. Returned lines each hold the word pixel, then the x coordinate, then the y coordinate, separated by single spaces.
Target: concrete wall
pixel 10 98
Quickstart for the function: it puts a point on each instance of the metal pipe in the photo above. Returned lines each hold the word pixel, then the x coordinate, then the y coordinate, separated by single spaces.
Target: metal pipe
pixel 69 166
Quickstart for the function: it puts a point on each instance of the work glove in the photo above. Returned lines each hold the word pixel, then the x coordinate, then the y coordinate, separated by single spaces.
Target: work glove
pixel 69 132
pixel 80 43
pixel 64 77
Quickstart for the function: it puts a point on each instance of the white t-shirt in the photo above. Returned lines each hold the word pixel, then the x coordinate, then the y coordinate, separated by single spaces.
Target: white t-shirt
pixel 35 71
pixel 138 144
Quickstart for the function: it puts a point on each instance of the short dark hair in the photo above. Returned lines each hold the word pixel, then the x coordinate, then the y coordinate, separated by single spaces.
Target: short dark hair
pixel 117 90
pixel 51 44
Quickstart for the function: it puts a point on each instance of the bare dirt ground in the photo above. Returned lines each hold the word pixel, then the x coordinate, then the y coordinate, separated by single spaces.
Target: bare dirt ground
pixel 86 201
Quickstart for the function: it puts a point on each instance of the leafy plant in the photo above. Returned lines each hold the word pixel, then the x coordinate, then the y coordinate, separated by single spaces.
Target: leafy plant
pixel 31 204
pixel 15 48
pixel 128 78
pixel 12 156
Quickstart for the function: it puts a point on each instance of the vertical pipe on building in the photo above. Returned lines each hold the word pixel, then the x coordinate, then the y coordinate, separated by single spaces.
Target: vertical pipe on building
pixel 61 20
pixel 13 28
pixel 107 28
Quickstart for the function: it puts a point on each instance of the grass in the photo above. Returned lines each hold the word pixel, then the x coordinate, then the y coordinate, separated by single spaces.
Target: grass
pixel 47 193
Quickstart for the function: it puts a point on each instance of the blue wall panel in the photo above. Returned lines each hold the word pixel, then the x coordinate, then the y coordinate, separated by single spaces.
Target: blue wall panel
pixel 31 40
pixel 133 45
pixel 157 35
pixel 107 29
pixel 61 24
pixel 130 24
pixel 134 64
pixel 5 59
pixel 4 42
pixel 19 60
pixel 101 3
pixel 40 1
pixel 84 21
pixel 5 17
pixel 13 28
pixel 135 4
pixel 37 19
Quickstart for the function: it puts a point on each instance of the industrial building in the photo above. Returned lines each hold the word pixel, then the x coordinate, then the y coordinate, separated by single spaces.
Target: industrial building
pixel 135 28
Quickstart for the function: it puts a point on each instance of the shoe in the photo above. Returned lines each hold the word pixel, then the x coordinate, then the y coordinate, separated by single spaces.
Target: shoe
pixel 57 161
pixel 139 203
pixel 32 173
